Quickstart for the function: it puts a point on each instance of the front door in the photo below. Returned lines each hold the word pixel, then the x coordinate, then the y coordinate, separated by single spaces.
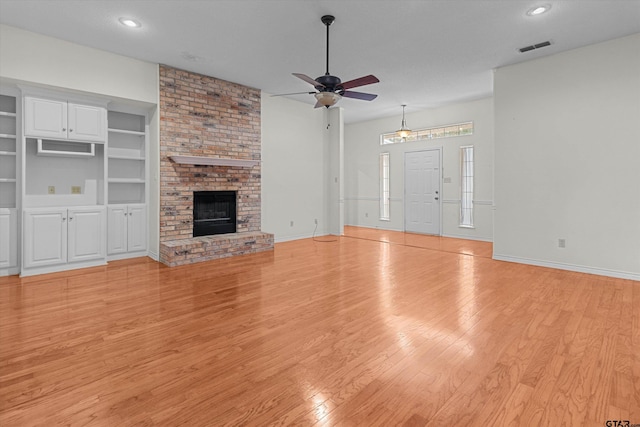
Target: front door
pixel 422 192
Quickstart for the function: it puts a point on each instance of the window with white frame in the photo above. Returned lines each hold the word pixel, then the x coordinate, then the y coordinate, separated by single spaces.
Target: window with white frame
pixel 384 186
pixel 447 131
pixel 466 186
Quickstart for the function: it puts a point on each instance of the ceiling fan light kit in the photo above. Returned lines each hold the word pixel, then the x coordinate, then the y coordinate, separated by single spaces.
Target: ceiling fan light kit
pixel 327 99
pixel 330 89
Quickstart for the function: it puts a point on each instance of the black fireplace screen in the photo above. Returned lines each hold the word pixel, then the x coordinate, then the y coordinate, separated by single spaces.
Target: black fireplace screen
pixel 214 212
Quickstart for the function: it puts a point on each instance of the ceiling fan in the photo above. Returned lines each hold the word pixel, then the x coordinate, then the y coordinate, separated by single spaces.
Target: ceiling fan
pixel 330 89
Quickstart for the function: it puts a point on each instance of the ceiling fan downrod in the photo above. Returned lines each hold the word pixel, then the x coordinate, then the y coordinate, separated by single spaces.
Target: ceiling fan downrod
pixel 327 20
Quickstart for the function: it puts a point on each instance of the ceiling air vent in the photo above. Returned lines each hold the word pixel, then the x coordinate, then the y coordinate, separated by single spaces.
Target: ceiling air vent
pixel 534 46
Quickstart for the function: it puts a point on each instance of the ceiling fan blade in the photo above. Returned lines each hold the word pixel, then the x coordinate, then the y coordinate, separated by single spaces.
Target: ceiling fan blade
pixel 362 81
pixel 294 93
pixel 318 105
pixel 359 95
pixel 308 79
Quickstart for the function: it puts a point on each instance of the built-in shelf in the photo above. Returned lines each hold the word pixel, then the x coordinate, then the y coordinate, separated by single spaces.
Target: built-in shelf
pixel 126 181
pixel 6 114
pixel 127 132
pixel 124 157
pixel 214 161
pixel 6 135
pixel 7 180
pixel 7 153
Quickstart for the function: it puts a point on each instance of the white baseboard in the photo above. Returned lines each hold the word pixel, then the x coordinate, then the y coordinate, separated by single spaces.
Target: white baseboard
pixel 570 267
pixel 153 255
pixel 479 239
pixel 277 239
pixel 375 227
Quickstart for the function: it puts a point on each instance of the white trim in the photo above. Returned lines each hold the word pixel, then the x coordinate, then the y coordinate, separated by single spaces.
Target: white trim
pixel 465 237
pixel 153 255
pixel 570 267
pixel 376 228
pixel 300 236
pixel 126 255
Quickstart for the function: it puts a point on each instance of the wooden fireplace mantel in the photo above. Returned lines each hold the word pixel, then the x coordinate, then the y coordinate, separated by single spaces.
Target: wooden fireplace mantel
pixel 214 161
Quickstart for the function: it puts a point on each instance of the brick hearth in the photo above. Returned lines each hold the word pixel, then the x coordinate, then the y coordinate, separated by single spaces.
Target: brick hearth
pixel 205 116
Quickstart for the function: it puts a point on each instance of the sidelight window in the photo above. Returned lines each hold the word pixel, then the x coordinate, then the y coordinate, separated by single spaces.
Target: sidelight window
pixel 466 186
pixel 384 186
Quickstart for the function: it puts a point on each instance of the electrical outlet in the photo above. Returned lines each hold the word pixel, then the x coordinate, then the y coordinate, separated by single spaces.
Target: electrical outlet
pixel 51 189
pixel 76 189
pixel 562 243
pixel 291 224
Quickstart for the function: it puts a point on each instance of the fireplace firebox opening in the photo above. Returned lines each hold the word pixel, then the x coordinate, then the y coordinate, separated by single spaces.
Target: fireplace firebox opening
pixel 214 212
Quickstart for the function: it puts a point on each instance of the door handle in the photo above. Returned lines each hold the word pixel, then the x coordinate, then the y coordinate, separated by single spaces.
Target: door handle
pixel 437 198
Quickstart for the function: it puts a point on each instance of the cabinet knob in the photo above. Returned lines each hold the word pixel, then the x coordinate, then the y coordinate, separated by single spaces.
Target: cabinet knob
pixel 70 218
pixel 130 214
pixel 64 219
pixel 70 130
pixel 64 129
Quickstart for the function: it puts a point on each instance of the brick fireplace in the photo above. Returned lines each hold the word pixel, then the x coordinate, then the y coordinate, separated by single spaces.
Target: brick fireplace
pixel 207 118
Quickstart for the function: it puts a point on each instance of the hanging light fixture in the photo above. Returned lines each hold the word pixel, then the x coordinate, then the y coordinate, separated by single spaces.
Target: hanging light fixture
pixel 327 99
pixel 404 131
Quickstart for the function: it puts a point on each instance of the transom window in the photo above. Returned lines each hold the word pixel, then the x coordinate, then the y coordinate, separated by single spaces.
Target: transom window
pixel 459 129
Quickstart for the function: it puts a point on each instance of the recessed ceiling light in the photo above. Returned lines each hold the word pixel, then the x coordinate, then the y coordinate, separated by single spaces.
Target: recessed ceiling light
pixel 131 23
pixel 538 10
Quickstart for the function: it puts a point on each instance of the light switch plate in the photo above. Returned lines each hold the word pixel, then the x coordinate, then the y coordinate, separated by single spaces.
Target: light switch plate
pixel 51 189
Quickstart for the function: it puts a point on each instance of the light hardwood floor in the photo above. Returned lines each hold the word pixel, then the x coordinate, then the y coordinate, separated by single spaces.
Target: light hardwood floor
pixel 376 328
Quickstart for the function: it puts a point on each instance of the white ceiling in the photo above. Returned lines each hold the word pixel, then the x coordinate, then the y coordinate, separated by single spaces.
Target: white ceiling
pixel 425 53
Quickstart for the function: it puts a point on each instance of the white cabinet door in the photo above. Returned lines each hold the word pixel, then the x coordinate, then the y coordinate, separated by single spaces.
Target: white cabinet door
pixel 8 236
pixel 45 237
pixel 86 123
pixel 86 234
pixel 117 229
pixel 137 228
pixel 45 118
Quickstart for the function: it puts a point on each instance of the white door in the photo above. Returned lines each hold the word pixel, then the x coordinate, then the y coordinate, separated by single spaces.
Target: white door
pixel 117 229
pixel 422 192
pixel 45 117
pixel 45 237
pixel 137 228
pixel 86 123
pixel 86 234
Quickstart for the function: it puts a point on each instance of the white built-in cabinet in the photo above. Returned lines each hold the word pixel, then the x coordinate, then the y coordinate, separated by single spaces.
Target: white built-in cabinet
pixel 56 119
pixel 127 229
pixel 8 240
pixel 127 158
pixel 73 180
pixel 8 185
pixel 126 182
pixel 56 236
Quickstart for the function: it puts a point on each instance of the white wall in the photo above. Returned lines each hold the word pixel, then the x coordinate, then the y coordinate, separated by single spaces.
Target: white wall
pixel 333 131
pixel 293 171
pixel 34 58
pixel 568 160
pixel 362 150
pixel 37 60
